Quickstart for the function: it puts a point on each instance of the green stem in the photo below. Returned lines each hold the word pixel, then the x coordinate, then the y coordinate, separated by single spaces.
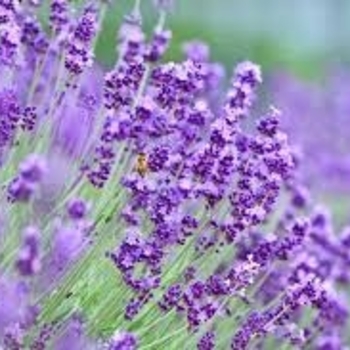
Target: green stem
pixel 164 339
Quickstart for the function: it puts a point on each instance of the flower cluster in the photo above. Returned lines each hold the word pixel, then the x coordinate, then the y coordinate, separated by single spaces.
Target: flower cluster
pixel 140 210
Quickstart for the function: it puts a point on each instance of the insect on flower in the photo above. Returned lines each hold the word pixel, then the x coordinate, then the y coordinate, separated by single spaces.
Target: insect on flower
pixel 141 166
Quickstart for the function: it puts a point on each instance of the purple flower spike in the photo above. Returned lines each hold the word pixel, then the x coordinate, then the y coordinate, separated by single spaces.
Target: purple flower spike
pixel 21 190
pixel 59 17
pixel 28 261
pixel 73 337
pixel 12 303
pixel 10 35
pixel 77 209
pixel 33 168
pixel 79 54
pixel 67 244
pixel 9 118
pixel 207 342
pixel 196 51
pixel 158 45
pixel 147 199
pixel 123 341
pixel 33 36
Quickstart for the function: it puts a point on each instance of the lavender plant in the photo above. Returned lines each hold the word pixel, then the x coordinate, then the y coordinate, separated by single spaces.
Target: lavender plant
pixel 137 210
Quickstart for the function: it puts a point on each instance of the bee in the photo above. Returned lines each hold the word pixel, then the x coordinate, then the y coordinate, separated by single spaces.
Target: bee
pixel 141 166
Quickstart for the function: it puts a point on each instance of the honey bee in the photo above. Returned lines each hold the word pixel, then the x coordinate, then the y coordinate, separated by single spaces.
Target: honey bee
pixel 141 166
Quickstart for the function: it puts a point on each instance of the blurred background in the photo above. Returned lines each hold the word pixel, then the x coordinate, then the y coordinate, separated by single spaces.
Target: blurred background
pixel 301 36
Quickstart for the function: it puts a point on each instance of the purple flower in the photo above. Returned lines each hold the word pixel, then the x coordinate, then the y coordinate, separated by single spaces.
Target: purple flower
pixel 196 51
pixel 146 199
pixel 158 45
pixel 28 261
pixel 67 244
pixel 73 337
pixel 79 53
pixel 77 209
pixel 123 341
pixel 59 15
pixel 10 35
pixel 207 342
pixel 12 303
pixel 33 168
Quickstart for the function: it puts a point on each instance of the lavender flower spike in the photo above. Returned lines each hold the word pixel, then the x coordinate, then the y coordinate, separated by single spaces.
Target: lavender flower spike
pixel 146 207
